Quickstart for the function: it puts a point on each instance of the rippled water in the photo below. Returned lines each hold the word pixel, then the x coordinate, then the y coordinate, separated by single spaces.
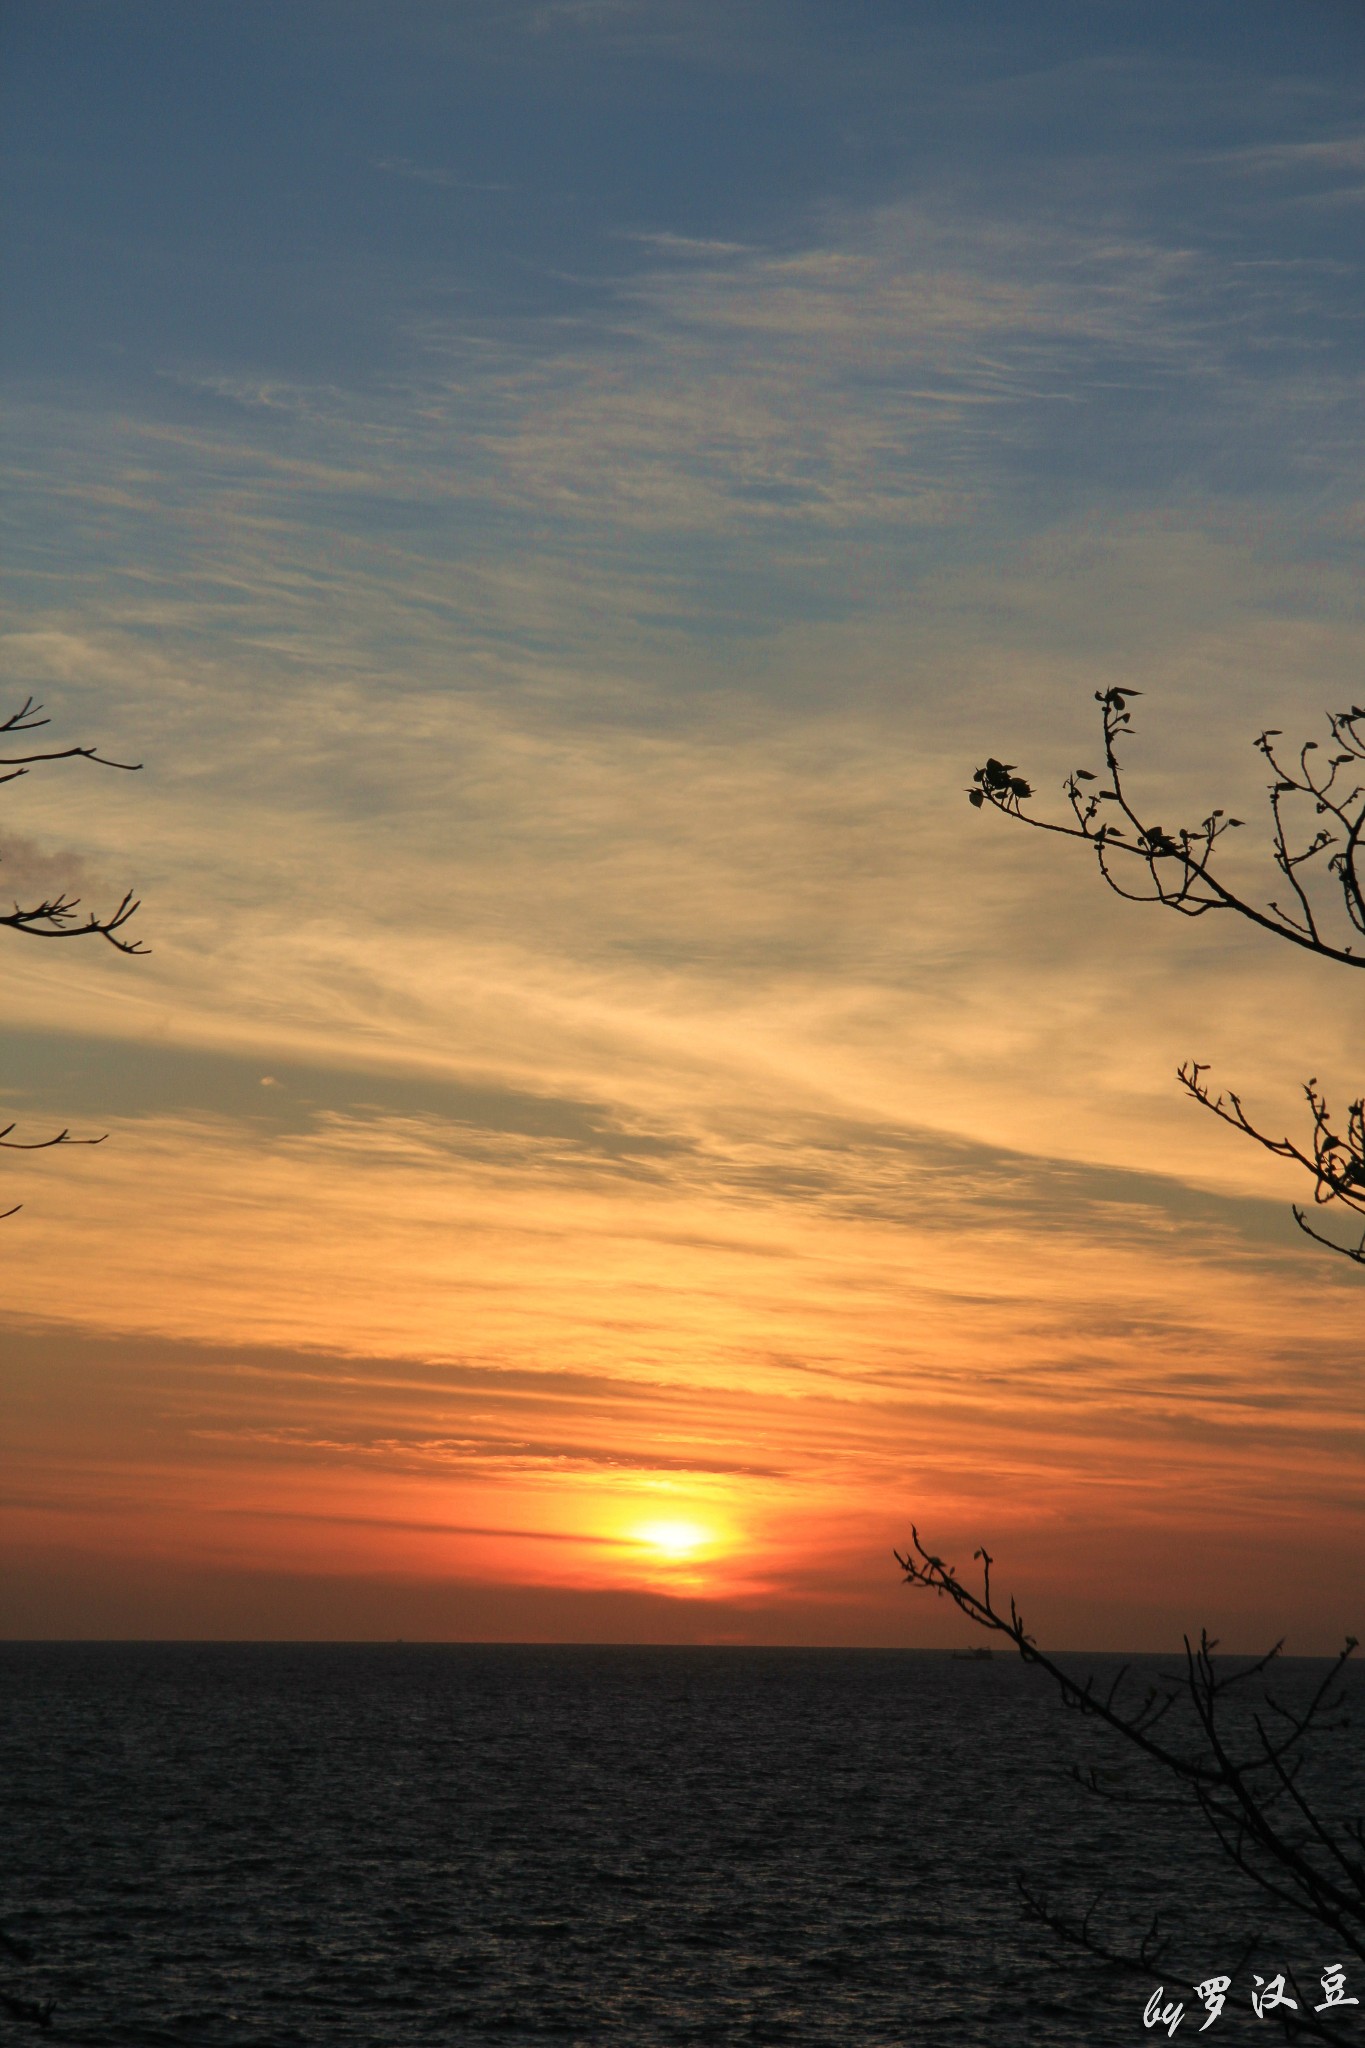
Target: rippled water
pixel 281 1845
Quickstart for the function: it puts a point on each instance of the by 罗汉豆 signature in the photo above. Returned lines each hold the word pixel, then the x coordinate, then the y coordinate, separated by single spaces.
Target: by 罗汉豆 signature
pixel 1268 1994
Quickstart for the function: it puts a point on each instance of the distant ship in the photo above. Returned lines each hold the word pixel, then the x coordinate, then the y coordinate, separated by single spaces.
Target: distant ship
pixel 978 1656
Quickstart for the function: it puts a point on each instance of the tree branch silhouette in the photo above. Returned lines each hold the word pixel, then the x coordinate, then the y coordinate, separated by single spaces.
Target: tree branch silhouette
pixel 53 917
pixel 1335 1163
pixel 1242 1781
pixel 1241 1776
pixel 1317 823
pixel 59 916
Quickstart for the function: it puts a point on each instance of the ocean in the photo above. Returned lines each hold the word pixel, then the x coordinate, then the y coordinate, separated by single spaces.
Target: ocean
pixel 315 1846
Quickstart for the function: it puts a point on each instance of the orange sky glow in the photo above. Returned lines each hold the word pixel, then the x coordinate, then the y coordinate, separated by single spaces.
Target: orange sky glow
pixel 605 1138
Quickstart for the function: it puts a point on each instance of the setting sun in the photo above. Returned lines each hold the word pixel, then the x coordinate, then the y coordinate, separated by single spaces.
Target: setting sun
pixel 674 1539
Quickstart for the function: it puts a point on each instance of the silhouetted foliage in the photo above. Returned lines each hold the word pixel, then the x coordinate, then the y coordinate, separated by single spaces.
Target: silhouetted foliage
pixel 1202 1739
pixel 1317 821
pixel 1239 1770
pixel 1336 1163
pixel 59 916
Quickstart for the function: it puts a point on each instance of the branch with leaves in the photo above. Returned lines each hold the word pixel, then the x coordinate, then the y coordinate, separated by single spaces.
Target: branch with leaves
pixel 1335 1162
pixel 1243 1781
pixel 1321 908
pixel 1180 868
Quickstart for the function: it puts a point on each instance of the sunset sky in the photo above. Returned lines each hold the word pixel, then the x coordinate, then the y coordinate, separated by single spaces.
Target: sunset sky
pixel 560 495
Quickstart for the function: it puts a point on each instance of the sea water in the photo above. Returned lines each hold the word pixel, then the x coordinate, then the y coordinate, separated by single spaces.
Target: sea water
pixel 315 1846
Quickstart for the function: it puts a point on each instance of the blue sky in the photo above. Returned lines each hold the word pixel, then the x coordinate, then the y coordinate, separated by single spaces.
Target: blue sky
pixel 561 496
pixel 1150 216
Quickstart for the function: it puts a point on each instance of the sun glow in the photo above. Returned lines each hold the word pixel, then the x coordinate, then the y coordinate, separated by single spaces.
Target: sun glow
pixel 673 1539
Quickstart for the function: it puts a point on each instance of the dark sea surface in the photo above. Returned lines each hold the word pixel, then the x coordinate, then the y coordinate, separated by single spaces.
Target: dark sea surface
pixel 312 1846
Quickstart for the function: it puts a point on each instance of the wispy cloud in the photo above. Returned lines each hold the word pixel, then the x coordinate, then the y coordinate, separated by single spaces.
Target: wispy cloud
pixel 589 1049
pixel 437 174
pixel 585 14
pixel 1344 153
pixel 671 245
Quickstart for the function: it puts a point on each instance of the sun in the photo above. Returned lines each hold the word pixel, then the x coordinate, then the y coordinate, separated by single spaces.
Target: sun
pixel 673 1539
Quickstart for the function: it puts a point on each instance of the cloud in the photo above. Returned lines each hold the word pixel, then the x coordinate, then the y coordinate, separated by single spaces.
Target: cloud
pixel 585 14
pixel 1272 160
pixel 589 1044
pixel 667 244
pixel 254 394
pixel 29 874
pixel 436 174
pixel 491 1455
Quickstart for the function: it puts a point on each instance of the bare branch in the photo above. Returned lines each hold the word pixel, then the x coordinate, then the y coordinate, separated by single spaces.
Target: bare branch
pixel 27 719
pixel 56 918
pixel 1243 1789
pixel 63 1137
pixel 59 916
